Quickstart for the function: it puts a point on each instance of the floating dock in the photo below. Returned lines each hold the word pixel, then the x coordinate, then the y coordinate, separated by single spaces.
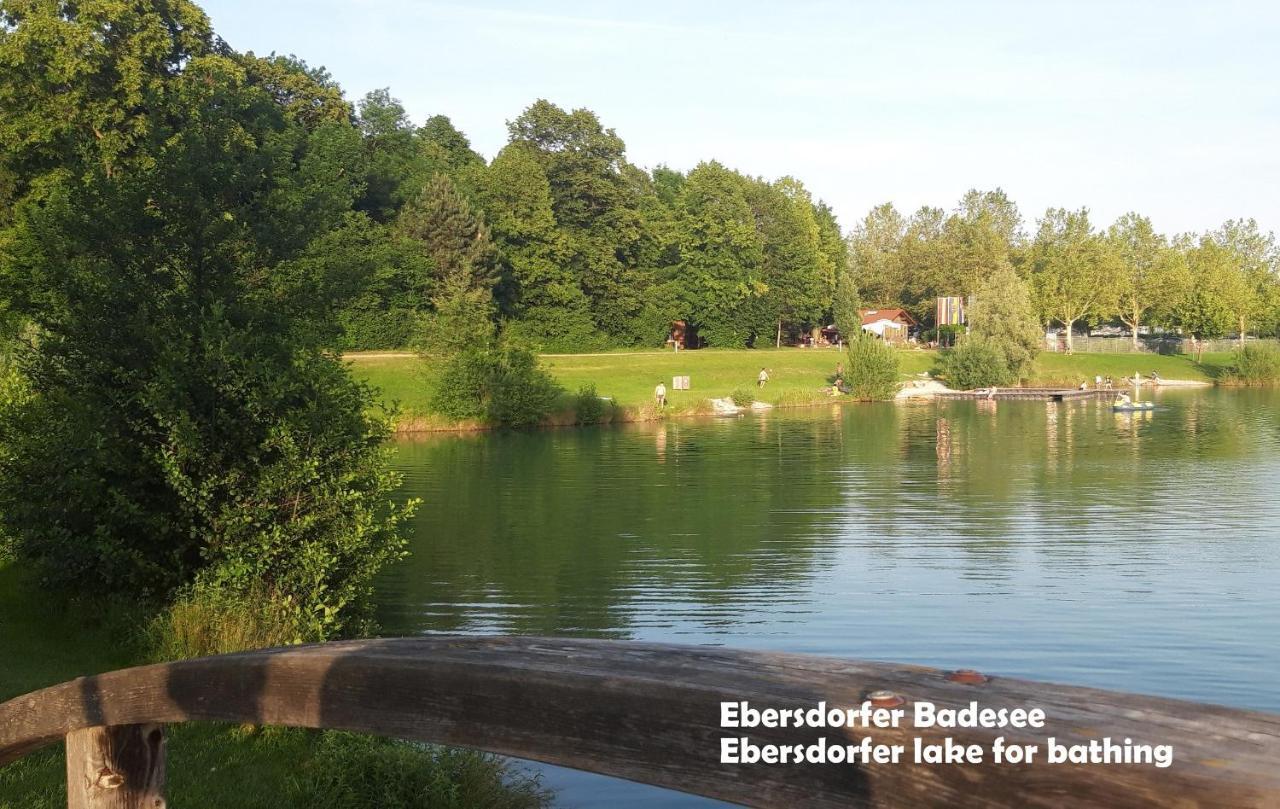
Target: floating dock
pixel 1033 394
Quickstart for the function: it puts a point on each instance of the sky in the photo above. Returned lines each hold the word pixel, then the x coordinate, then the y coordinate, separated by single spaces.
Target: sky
pixel 1171 109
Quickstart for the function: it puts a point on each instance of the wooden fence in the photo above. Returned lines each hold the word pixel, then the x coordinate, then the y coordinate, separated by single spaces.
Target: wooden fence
pixel 649 713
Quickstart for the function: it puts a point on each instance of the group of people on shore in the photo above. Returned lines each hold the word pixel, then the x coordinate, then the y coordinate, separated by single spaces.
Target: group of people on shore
pixel 1105 383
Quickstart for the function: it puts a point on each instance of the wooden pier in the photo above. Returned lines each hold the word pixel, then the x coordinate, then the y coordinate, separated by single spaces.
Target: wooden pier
pixel 651 713
pixel 1033 394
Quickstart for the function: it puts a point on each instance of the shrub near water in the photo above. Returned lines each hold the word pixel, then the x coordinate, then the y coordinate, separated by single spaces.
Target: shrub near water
pixel 1256 365
pixel 743 397
pixel 873 369
pixel 975 363
pixel 505 386
pixel 588 407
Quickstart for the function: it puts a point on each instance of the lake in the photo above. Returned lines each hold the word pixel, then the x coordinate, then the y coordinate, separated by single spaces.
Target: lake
pixel 1062 542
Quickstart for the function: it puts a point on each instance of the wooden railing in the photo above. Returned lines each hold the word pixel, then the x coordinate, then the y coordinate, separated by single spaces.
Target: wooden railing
pixel 648 713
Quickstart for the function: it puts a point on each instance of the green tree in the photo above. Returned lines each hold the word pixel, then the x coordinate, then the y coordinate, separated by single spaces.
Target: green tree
pixel 1207 309
pixel 594 201
pixel 454 236
pixel 463 260
pixel 1145 280
pixel 793 270
pixel 1003 315
pixel 1254 265
pixel 183 380
pixel 846 307
pixel 306 94
pixel 982 235
pixel 73 95
pixel 875 259
pixel 539 291
pixel 1073 270
pixel 391 149
pixel 721 255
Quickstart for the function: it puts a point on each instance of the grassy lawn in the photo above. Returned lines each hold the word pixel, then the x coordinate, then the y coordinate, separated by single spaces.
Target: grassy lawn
pixel 1073 369
pixel 629 378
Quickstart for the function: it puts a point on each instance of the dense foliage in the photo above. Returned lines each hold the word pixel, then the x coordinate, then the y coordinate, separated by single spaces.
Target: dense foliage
pixel 563 245
pixel 177 246
pixel 1002 315
pixel 503 386
pixel 976 362
pixel 588 407
pixel 873 369
pixel 1256 365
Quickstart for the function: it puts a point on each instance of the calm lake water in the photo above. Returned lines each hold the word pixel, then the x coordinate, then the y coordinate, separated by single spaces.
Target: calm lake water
pixel 1060 542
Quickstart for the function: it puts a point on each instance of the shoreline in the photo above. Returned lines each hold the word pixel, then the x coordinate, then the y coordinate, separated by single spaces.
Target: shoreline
pixel 912 391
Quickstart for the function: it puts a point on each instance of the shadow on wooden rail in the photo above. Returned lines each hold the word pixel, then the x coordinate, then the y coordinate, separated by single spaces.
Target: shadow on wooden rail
pixel 648 713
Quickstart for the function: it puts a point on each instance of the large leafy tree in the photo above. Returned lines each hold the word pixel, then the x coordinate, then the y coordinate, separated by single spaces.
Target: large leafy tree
pixel 1147 272
pixel 982 234
pixel 84 84
pixel 539 290
pixel 595 206
pixel 1073 270
pixel 1206 309
pixel 391 153
pixel 1255 262
pixel 721 255
pixel 798 285
pixel 875 256
pixel 181 378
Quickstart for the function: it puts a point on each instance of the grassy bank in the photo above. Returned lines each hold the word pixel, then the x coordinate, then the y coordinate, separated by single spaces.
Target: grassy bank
pixel 217 766
pixel 796 376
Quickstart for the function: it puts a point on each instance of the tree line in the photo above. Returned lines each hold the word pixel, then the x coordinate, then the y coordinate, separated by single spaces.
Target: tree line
pixel 568 246
pixel 1077 274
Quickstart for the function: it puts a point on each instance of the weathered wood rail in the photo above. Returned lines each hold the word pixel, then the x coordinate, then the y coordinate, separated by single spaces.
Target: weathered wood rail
pixel 649 713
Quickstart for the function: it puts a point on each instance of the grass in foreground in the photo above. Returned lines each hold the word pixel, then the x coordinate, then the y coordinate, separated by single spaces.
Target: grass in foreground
pixel 222 767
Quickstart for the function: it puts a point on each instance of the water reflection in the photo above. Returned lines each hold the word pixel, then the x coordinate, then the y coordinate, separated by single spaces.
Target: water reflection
pixel 1055 540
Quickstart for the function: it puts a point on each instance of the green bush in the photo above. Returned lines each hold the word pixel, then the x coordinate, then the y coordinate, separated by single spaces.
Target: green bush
pixel 743 397
pixel 872 374
pixel 1256 365
pixel 976 363
pixel 505 386
pixel 588 407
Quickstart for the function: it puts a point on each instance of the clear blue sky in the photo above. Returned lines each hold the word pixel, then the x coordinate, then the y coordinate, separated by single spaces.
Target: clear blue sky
pixel 1171 109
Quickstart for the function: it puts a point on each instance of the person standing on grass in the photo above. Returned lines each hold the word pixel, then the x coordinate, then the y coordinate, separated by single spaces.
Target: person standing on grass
pixel 660 395
pixel 762 378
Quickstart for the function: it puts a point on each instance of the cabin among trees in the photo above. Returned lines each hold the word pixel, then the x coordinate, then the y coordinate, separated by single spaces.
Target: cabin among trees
pixel 890 325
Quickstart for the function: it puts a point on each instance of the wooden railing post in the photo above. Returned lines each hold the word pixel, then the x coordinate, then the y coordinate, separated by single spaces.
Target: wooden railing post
pixel 117 767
